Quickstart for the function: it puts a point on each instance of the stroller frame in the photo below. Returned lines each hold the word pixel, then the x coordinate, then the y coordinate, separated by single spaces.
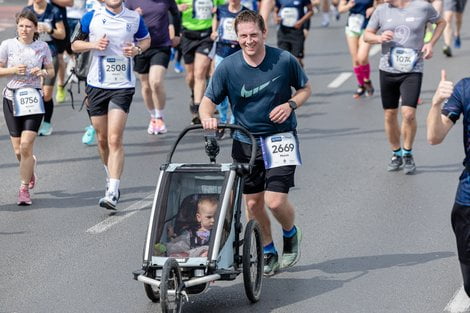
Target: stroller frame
pixel 169 280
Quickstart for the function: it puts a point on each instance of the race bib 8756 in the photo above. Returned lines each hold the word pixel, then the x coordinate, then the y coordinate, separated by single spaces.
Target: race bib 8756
pixel 27 101
pixel 280 150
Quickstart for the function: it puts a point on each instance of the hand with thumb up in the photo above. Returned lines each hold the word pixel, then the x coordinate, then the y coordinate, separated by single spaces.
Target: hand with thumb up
pixel 443 91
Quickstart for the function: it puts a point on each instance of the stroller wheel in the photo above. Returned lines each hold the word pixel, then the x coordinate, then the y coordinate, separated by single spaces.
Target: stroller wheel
pixel 253 261
pixel 171 293
pixel 152 293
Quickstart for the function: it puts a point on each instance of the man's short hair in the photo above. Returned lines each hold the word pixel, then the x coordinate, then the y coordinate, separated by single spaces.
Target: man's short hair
pixel 248 16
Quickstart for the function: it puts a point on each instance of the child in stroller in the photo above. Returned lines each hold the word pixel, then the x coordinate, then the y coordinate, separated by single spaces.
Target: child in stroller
pixel 192 239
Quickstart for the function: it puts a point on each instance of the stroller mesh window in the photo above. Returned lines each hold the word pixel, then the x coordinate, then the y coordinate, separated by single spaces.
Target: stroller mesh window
pixel 182 230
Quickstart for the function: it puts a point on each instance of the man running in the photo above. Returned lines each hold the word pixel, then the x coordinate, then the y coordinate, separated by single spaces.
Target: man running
pixel 440 120
pixel 258 81
pixel 402 23
pixel 152 64
pixel 110 33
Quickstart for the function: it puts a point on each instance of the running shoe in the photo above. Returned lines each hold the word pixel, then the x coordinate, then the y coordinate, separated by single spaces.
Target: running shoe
pixel 369 88
pixel 159 126
pixel 447 51
pixel 291 251
pixel 45 129
pixel 457 43
pixel 410 166
pixel 395 163
pixel 178 67
pixel 60 95
pixel 325 23
pixel 271 264
pixel 89 137
pixel 34 177
pixel 428 36
pixel 23 196
pixel 359 92
pixel 151 128
pixel 110 200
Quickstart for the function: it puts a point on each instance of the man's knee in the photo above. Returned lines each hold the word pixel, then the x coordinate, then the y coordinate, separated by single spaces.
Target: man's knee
pixel 390 116
pixel 408 116
pixel 275 202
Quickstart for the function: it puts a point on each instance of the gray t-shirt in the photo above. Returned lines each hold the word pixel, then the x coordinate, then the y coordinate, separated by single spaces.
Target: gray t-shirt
pixel 408 25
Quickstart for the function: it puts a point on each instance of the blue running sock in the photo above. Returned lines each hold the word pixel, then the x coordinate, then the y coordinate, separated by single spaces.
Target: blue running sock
pixel 398 152
pixel 407 152
pixel 289 233
pixel 270 248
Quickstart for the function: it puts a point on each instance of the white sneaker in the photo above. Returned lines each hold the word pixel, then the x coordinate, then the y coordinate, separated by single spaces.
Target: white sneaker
pixel 110 200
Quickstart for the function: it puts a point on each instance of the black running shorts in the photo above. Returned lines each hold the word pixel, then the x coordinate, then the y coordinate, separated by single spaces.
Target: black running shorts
pixel 193 42
pixel 292 40
pixel 278 179
pixel 18 124
pixel 152 56
pixel 461 224
pixel 100 101
pixel 404 85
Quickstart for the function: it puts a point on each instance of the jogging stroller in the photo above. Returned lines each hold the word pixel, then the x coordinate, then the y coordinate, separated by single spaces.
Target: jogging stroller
pixel 170 274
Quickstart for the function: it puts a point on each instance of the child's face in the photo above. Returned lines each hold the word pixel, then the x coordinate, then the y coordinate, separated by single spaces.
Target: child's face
pixel 206 215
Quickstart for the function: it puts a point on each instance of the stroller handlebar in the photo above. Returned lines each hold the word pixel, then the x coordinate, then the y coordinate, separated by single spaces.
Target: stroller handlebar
pixel 229 126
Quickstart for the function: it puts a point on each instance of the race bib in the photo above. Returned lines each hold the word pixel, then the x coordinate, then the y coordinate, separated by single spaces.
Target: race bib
pixel 228 31
pixel 355 22
pixel 43 35
pixel 27 101
pixel 115 69
pixel 202 9
pixel 289 16
pixel 280 150
pixel 403 59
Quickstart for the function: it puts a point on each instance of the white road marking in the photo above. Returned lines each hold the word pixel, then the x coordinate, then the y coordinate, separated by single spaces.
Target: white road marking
pixel 375 49
pixel 338 81
pixel 121 216
pixel 459 303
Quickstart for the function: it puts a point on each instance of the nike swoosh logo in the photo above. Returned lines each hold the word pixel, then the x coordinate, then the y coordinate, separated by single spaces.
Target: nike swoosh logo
pixel 248 93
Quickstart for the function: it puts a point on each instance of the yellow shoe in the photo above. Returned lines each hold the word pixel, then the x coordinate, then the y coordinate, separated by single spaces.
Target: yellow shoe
pixel 60 94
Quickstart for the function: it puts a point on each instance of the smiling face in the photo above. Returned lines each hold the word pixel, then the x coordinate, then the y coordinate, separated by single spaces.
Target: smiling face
pixel 251 38
pixel 25 29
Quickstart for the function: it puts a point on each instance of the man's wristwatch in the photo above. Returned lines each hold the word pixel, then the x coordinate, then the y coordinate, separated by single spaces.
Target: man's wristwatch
pixel 292 104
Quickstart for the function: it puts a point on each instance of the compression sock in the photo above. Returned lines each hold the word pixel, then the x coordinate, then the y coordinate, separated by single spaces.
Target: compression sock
pixel 407 152
pixel 270 248
pixel 359 76
pixel 49 108
pixel 289 233
pixel 365 69
pixel 398 152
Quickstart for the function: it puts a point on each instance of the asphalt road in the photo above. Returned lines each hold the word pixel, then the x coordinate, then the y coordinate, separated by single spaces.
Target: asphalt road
pixel 373 241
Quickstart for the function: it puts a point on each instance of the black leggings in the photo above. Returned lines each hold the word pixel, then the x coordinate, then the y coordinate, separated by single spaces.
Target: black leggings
pixel 460 218
pixel 16 125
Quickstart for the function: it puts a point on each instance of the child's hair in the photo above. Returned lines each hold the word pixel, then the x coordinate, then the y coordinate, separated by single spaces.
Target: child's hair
pixel 247 16
pixel 209 199
pixel 29 15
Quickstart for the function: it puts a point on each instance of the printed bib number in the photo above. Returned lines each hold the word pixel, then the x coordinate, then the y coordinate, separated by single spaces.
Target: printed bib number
pixel 202 9
pixel 355 22
pixel 280 150
pixel 289 16
pixel 27 101
pixel 228 29
pixel 403 59
pixel 115 70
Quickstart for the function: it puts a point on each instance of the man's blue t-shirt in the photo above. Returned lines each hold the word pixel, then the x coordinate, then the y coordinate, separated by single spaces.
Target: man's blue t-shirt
pixel 457 104
pixel 254 92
